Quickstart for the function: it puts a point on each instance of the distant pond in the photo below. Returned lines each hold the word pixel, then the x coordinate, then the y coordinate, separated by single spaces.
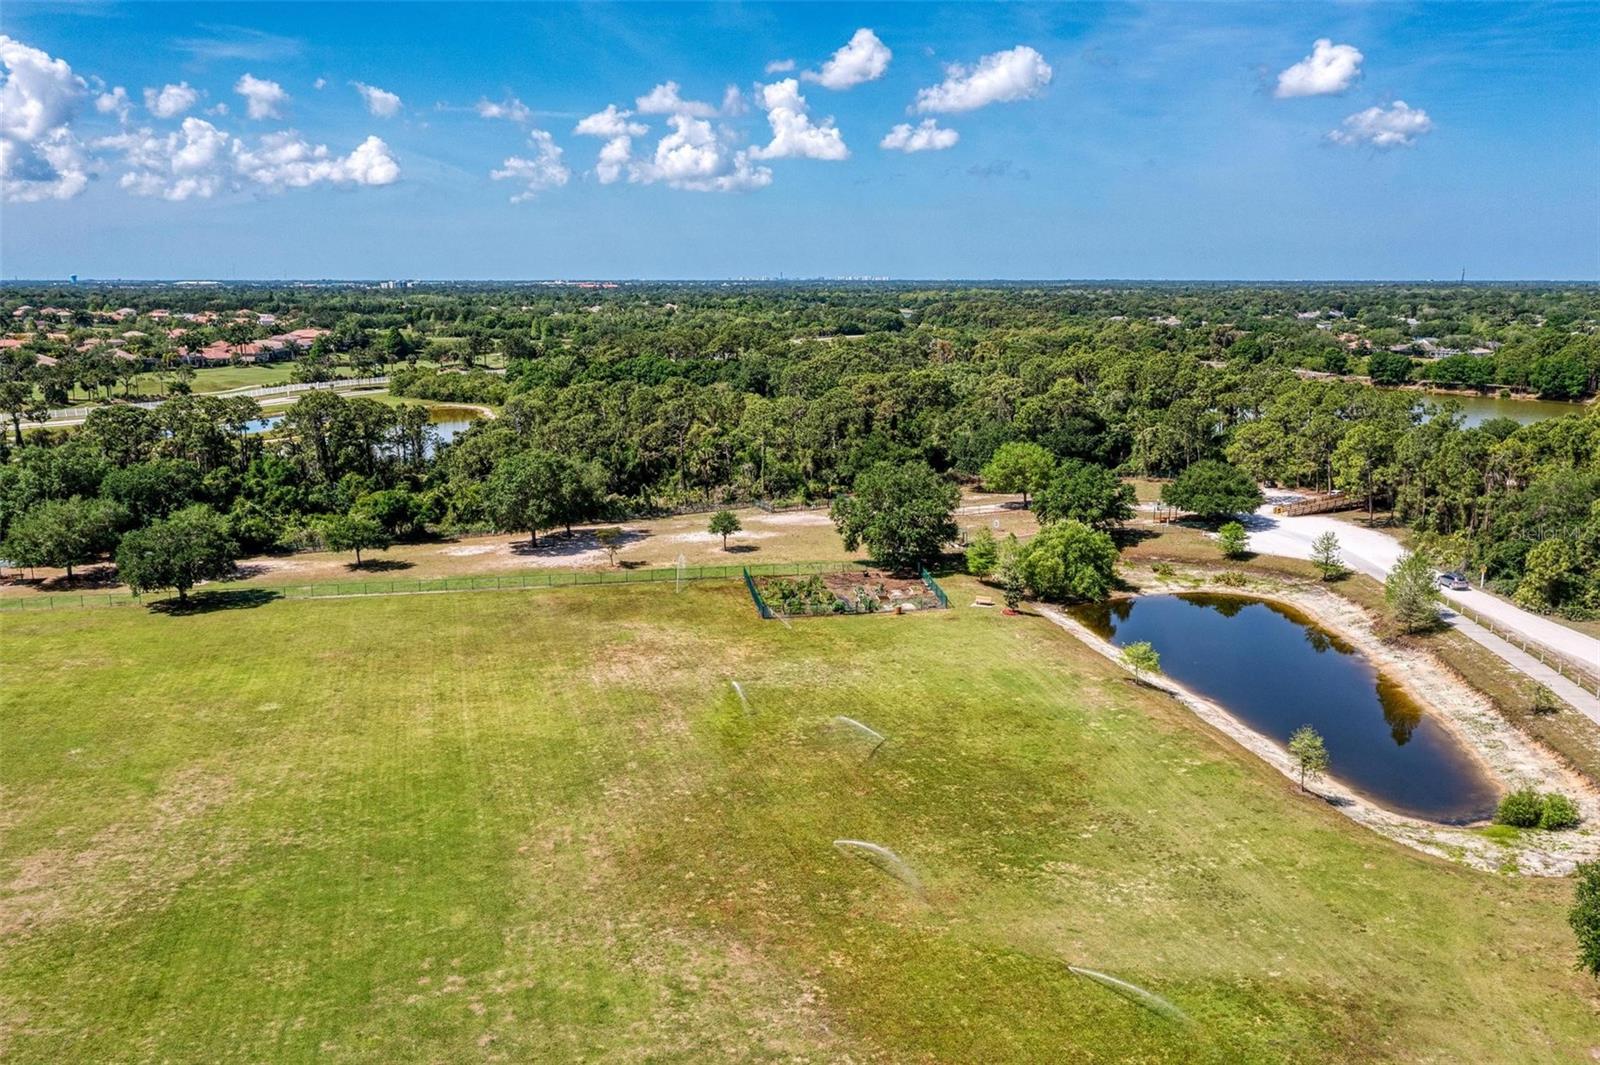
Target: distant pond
pixel 1275 670
pixel 447 422
pixel 1479 409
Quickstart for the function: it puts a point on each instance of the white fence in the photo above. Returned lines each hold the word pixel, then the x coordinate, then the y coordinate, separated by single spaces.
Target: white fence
pixel 262 392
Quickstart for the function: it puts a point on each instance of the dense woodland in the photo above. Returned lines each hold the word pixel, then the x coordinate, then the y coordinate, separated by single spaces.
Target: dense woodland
pixel 635 399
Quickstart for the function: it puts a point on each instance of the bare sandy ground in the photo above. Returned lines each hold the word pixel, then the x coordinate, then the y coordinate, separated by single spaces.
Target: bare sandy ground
pixel 1510 757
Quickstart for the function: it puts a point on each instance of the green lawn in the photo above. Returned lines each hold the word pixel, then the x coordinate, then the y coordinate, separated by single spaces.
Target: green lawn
pixel 539 826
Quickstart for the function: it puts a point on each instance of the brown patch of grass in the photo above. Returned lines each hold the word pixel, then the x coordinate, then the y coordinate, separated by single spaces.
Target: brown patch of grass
pixel 128 863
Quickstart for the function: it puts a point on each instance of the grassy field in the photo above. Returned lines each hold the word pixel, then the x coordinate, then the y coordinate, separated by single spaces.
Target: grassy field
pixel 540 826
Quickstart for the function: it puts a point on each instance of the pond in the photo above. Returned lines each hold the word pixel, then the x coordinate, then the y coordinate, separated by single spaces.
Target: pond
pixel 1275 670
pixel 1479 409
pixel 447 422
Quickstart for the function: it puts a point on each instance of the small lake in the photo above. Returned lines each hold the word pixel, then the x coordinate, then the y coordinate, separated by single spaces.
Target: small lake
pixel 447 422
pixel 1479 409
pixel 1275 671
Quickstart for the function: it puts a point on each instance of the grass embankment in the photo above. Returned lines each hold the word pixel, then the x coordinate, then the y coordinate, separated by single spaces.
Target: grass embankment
pixel 539 826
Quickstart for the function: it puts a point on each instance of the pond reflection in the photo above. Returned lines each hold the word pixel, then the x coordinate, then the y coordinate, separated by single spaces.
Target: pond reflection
pixel 1276 670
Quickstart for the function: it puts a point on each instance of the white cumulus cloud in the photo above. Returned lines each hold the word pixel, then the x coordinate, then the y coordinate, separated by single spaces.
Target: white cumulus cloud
pixel 263 98
pixel 511 109
pixel 170 101
pixel 779 66
pixel 794 135
pixel 665 99
pixel 1330 68
pixel 618 129
pixel 612 122
pixel 863 58
pixel 1396 126
pixel 927 137
pixel 199 161
pixel 693 157
pixel 544 170
pixel 40 157
pixel 1018 73
pixel 115 102
pixel 380 102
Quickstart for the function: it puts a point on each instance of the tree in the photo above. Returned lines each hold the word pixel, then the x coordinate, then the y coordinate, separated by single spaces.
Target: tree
pixel 151 490
pixel 1325 555
pixel 1018 467
pixel 62 532
pixel 1309 753
pixel 398 510
pixel 356 531
pixel 1142 658
pixel 524 492
pixel 1233 540
pixel 178 552
pixel 1069 560
pixel 1009 569
pixel 1411 593
pixel 724 522
pixel 982 553
pixel 1549 575
pixel 900 511
pixel 1213 490
pixel 610 538
pixel 1389 367
pixel 1082 491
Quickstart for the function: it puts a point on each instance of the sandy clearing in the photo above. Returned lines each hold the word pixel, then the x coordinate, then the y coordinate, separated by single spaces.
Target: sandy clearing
pixel 794 517
pixel 1510 757
pixel 714 538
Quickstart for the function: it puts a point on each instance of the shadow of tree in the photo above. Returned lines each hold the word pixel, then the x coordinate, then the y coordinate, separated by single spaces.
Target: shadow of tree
pixel 380 565
pixel 207 602
pixel 577 542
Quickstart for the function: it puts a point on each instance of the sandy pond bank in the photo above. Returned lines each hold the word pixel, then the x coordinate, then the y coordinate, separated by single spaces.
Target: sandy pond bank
pixel 1510 758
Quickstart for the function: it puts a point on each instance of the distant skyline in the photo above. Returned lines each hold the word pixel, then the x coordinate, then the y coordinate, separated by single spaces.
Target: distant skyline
pixel 1379 142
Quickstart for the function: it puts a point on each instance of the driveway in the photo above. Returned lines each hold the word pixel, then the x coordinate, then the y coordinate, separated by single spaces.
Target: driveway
pixel 1374 553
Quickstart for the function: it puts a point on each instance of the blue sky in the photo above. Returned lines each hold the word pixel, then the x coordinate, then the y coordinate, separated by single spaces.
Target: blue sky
pixel 1062 141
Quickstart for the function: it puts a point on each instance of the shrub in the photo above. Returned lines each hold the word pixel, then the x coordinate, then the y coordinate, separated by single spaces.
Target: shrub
pixel 1523 808
pixel 1584 917
pixel 982 554
pixel 1559 812
pixel 1163 569
pixel 1233 540
pixel 1544 701
pixel 1232 578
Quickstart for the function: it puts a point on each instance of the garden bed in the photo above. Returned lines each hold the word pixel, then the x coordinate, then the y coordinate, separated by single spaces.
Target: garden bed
pixel 868 591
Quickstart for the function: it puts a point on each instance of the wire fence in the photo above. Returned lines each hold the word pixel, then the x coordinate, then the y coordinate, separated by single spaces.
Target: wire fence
pixel 438 585
pixel 1584 675
pixel 813 599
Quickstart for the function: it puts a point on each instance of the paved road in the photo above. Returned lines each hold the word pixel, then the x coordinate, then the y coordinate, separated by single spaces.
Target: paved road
pixel 1374 553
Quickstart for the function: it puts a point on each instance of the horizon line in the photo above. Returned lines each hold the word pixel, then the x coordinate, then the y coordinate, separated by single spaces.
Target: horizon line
pixel 201 280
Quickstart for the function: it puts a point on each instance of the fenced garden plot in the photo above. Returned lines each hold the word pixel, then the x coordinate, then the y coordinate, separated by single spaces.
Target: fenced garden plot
pixel 856 591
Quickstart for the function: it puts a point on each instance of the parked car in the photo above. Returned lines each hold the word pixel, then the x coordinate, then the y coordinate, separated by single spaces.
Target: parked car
pixel 1454 581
